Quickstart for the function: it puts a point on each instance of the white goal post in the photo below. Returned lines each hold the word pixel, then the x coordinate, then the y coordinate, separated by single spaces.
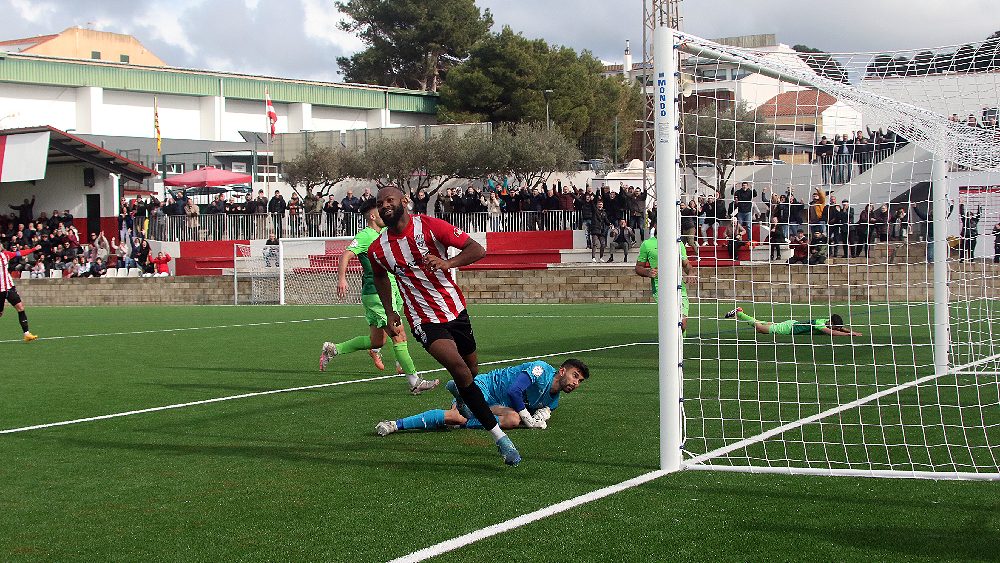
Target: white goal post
pixel 296 271
pixel 910 195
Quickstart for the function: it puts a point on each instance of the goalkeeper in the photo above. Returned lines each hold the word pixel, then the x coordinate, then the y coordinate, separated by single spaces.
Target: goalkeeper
pixel 374 313
pixel 833 326
pixel 521 395
pixel 646 267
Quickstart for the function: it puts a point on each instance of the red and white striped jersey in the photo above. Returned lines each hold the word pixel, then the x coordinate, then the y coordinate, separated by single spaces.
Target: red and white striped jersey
pixel 430 297
pixel 6 282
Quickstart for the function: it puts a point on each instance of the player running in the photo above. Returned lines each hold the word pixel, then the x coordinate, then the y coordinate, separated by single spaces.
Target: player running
pixel 8 293
pixel 522 395
pixel 374 312
pixel 415 249
pixel 646 267
pixel 834 326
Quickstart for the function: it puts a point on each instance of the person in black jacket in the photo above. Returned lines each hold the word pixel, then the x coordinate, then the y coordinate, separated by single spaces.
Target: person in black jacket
pixel 996 243
pixel 599 231
pixel 276 207
pixel 587 209
pixel 721 218
pixel 970 232
pixel 743 202
pixel 420 202
pixel 331 207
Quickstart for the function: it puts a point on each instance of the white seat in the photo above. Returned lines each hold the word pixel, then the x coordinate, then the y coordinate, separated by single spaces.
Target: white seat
pixel 55 273
pixel 122 272
pixel 134 272
pixel 111 273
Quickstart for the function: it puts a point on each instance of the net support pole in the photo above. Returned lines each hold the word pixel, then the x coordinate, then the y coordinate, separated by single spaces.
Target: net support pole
pixel 281 272
pixel 942 317
pixel 236 281
pixel 666 120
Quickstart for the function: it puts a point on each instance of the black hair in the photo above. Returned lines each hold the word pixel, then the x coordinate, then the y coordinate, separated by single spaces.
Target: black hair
pixel 366 206
pixel 836 320
pixel 574 363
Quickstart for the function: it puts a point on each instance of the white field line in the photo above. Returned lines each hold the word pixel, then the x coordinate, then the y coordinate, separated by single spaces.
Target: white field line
pixel 293 389
pixel 524 519
pixel 268 323
pixel 187 328
pixel 829 412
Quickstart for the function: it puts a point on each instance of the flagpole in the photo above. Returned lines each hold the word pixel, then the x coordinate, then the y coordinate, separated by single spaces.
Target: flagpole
pixel 267 132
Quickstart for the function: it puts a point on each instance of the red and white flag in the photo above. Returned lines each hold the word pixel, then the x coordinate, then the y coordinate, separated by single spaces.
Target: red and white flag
pixel 272 117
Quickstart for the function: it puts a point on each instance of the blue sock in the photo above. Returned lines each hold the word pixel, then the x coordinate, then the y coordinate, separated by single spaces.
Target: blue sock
pixel 424 421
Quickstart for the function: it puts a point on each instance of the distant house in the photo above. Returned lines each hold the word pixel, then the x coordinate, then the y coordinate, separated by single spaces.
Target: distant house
pixel 801 117
pixel 78 43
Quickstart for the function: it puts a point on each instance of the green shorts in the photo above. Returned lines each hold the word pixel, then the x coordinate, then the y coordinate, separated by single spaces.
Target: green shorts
pixel 375 314
pixel 786 327
pixel 685 303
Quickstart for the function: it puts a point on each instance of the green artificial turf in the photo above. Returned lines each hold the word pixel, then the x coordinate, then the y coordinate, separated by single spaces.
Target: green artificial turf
pixel 301 475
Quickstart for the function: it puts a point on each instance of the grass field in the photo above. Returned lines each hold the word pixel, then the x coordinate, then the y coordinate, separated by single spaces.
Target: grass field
pixel 300 475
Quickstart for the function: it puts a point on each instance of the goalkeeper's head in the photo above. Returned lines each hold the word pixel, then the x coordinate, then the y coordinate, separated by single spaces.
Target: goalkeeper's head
pixel 836 321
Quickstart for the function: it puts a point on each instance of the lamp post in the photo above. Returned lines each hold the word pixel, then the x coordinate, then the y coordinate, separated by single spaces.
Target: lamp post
pixel 548 95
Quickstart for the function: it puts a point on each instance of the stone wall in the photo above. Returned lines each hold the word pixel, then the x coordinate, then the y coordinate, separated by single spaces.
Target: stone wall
pixel 780 283
pixel 188 290
pixel 761 283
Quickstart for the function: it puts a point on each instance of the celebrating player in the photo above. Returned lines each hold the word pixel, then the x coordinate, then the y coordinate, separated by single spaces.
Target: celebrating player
pixel 8 293
pixel 522 395
pixel 646 266
pixel 414 248
pixel 834 326
pixel 374 312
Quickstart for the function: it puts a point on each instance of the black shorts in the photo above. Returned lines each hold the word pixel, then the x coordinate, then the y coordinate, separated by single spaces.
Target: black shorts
pixel 459 330
pixel 9 296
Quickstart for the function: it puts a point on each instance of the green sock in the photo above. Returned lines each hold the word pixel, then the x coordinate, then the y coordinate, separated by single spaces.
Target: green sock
pixel 403 357
pixel 354 344
pixel 746 318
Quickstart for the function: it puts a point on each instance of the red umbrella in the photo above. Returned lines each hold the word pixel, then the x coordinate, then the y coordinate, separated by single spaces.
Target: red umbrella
pixel 208 176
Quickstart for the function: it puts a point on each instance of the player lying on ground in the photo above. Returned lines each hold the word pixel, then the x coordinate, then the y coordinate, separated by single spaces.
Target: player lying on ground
pixel 415 249
pixel 523 395
pixel 834 326
pixel 8 293
pixel 374 312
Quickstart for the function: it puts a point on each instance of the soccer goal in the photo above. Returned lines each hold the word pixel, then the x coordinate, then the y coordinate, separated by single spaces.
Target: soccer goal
pixel 296 271
pixel 897 239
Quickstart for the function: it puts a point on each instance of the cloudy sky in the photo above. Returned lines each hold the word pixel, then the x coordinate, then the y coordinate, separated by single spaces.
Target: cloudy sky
pixel 299 39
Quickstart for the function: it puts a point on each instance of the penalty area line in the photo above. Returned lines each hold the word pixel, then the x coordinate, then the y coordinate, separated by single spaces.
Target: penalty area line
pixel 294 389
pixel 187 328
pixel 525 519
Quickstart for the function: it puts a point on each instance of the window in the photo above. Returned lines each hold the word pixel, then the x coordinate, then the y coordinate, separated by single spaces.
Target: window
pixel 123 58
pixel 175 168
pixel 95 55
pixel 739 73
pixel 240 167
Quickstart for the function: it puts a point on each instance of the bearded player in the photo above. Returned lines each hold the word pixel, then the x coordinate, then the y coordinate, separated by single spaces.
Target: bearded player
pixel 415 249
pixel 519 396
pixel 8 293
pixel 374 312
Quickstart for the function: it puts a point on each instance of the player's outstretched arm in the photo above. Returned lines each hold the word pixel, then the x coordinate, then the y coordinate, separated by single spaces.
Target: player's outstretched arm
pixel 345 259
pixel 836 332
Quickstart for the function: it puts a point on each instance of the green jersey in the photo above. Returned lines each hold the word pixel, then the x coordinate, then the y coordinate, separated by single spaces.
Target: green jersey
pixel 647 254
pixel 359 246
pixel 792 327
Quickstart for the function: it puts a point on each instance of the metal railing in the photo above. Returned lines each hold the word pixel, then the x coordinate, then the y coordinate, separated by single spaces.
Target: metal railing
pixel 229 226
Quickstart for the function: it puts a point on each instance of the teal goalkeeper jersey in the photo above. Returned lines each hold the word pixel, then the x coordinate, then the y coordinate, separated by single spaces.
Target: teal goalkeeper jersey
pixel 496 383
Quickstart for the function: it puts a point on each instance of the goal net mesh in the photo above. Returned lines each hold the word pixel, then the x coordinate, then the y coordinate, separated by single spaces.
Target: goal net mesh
pixel 295 272
pixel 754 171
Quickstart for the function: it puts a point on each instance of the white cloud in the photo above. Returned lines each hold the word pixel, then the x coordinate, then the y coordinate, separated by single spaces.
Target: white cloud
pixel 320 23
pixel 34 12
pixel 164 23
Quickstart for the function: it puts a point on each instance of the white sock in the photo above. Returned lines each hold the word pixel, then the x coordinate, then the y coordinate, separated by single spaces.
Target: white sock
pixel 377 350
pixel 497 433
pixel 412 378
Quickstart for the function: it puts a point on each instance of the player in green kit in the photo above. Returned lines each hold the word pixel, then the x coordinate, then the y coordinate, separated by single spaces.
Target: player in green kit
pixel 646 266
pixel 374 313
pixel 834 326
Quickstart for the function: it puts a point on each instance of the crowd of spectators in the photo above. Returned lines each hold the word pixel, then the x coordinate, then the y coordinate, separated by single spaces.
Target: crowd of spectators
pixel 63 253
pixel 839 157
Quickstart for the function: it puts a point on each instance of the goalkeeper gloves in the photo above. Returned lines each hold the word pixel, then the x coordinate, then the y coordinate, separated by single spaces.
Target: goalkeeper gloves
pixel 531 421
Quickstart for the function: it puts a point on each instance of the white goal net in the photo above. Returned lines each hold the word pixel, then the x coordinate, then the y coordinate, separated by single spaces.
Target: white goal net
pixel 297 271
pixel 861 185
